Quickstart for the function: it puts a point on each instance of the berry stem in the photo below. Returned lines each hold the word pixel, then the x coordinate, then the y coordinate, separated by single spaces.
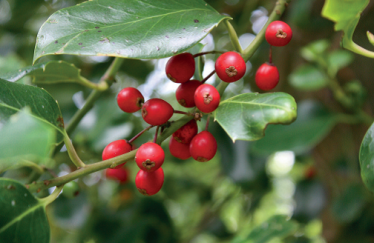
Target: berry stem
pixel 181 112
pixel 207 52
pixel 139 134
pixel 72 153
pixel 207 123
pixel 270 55
pixel 207 77
pixel 155 139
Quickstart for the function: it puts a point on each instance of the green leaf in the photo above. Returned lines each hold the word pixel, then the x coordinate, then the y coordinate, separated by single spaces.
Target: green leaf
pixel 25 141
pixel 275 227
pixel 14 97
pixel 127 28
pixel 311 126
pixel 314 50
pixel 246 116
pixel 367 159
pixel 23 218
pixel 337 60
pixel 350 204
pixel 346 15
pixel 308 78
pixel 47 73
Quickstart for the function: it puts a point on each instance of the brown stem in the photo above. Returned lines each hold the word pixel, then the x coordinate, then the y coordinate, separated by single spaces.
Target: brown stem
pixel 155 139
pixel 207 123
pixel 181 112
pixel 139 134
pixel 207 52
pixel 207 77
pixel 270 55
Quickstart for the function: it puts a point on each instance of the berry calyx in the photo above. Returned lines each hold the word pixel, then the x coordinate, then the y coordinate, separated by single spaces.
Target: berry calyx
pixel 149 183
pixel 267 76
pixel 230 67
pixel 206 98
pixel 115 149
pixel 157 111
pixel 180 68
pixel 203 146
pixel 130 100
pixel 278 33
pixel 149 157
pixel 186 132
pixel 179 150
pixel 70 189
pixel 120 174
pixel 185 93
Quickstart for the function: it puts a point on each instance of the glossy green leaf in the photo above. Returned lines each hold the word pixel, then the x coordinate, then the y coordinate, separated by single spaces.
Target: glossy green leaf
pixel 367 159
pixel 127 28
pixel 245 116
pixel 348 206
pixel 308 78
pixel 47 73
pixel 277 226
pixel 25 141
pixel 14 97
pixel 338 59
pixel 346 15
pixel 313 123
pixel 23 218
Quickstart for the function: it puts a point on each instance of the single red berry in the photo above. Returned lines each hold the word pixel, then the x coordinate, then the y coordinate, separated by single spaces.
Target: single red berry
pixel 206 98
pixel 230 67
pixel 130 100
pixel 149 183
pixel 185 93
pixel 203 146
pixel 179 150
pixel 180 68
pixel 115 149
pixel 120 174
pixel 267 76
pixel 310 172
pixel 186 133
pixel 278 33
pixel 157 111
pixel 149 157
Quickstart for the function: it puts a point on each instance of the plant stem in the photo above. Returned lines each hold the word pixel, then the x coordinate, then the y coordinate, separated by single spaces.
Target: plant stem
pixel 72 153
pixel 139 134
pixel 233 37
pixel 207 77
pixel 156 133
pixel 101 86
pixel 207 123
pixel 270 55
pixel 207 52
pixel 52 197
pixel 280 6
pixel 181 112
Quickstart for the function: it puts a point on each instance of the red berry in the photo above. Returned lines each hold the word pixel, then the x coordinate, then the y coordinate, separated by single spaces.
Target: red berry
pixel 186 133
pixel 310 172
pixel 230 67
pixel 149 183
pixel 203 146
pixel 278 33
pixel 267 76
pixel 120 174
pixel 115 149
pixel 180 68
pixel 185 93
pixel 130 100
pixel 157 111
pixel 149 157
pixel 206 98
pixel 179 150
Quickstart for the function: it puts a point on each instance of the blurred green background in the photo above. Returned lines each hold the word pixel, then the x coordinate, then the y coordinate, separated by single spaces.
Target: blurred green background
pixel 308 171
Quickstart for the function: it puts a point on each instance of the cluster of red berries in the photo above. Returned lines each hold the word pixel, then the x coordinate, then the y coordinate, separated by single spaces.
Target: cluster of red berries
pixel 277 33
pixel 186 142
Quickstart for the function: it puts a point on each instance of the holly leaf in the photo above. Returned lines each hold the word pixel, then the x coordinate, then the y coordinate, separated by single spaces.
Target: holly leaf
pixel 313 123
pixel 245 116
pixel 127 28
pixel 346 15
pixel 23 217
pixel 14 97
pixel 308 78
pixel 367 159
pixel 25 141
pixel 47 73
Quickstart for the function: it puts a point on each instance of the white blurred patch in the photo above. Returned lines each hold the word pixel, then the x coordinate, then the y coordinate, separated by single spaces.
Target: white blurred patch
pixel 78 99
pixel 246 39
pixel 258 19
pixel 208 41
pixel 281 163
pixel 92 178
pixel 208 68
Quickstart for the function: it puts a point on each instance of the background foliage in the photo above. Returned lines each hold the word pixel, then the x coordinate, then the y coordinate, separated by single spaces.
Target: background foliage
pixel 247 191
